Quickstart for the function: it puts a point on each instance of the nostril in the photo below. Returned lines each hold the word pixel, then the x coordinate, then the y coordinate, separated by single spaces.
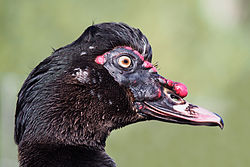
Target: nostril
pixel 175 99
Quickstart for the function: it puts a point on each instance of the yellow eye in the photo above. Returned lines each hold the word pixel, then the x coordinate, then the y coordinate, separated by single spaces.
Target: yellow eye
pixel 124 61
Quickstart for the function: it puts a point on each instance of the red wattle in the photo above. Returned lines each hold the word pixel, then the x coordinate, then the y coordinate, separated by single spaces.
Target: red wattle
pixel 147 64
pixel 100 59
pixel 138 54
pixel 127 47
pixel 153 69
pixel 159 93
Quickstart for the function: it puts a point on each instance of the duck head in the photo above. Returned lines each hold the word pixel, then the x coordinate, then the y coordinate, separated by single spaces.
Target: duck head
pixel 102 81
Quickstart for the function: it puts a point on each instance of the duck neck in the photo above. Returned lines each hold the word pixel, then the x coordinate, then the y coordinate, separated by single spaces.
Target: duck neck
pixel 38 155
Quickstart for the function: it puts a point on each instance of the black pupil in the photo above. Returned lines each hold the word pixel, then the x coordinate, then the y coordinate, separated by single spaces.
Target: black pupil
pixel 125 61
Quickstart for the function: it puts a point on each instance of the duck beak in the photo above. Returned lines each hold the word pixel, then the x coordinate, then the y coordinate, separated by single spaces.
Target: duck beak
pixel 172 108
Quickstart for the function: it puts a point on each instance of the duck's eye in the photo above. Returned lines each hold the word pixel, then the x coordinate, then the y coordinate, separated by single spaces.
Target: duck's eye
pixel 124 61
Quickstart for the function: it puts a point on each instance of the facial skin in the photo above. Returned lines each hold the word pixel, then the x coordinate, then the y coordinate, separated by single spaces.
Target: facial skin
pixel 153 95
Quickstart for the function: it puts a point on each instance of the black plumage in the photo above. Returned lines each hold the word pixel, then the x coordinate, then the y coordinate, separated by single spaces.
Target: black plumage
pixel 71 102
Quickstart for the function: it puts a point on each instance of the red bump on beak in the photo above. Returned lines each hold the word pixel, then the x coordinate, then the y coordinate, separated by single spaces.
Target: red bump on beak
pixel 180 89
pixel 170 83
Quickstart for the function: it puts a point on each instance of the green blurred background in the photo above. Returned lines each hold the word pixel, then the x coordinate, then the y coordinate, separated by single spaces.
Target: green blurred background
pixel 202 43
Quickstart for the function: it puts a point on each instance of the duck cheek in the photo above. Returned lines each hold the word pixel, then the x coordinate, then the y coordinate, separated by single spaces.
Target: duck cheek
pixel 145 92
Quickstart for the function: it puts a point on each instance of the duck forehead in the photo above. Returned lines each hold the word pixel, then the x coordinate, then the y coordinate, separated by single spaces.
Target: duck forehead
pixel 130 49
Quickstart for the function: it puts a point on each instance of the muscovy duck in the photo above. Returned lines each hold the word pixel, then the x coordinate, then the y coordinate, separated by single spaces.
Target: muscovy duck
pixel 104 80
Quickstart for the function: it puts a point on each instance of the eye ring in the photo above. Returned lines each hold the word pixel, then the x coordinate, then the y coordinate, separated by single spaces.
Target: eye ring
pixel 124 61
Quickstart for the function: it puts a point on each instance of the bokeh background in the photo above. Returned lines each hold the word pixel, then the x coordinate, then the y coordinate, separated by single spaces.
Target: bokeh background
pixel 202 43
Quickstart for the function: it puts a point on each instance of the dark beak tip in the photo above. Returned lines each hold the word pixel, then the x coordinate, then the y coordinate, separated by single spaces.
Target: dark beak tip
pixel 221 123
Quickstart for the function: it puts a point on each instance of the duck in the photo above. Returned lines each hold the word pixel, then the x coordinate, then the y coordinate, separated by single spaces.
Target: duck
pixel 104 80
